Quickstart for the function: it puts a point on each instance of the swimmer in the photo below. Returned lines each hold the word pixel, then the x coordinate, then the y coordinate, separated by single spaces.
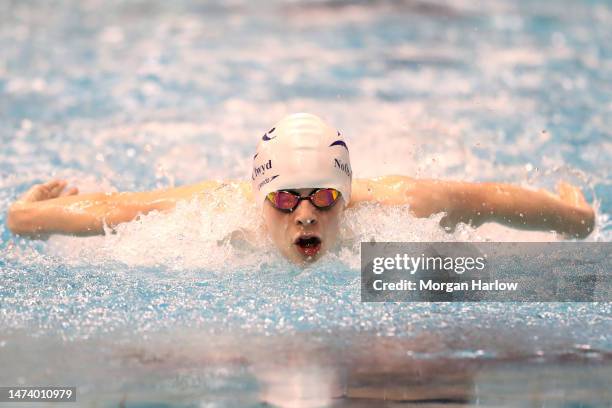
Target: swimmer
pixel 302 182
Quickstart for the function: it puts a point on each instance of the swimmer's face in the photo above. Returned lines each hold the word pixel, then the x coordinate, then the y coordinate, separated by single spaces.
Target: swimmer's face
pixel 304 234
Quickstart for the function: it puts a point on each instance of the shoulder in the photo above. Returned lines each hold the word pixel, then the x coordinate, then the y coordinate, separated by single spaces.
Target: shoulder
pixel 389 189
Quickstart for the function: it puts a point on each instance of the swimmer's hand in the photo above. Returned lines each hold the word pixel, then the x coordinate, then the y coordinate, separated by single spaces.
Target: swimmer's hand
pixel 573 197
pixel 38 192
pixel 46 191
pixel 19 219
pixel 580 215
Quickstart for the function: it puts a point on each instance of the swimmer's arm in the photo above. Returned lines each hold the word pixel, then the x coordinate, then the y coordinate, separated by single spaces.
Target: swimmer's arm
pixel 48 208
pixel 477 203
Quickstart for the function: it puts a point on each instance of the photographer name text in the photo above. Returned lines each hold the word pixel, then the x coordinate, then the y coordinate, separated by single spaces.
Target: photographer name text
pixel 430 285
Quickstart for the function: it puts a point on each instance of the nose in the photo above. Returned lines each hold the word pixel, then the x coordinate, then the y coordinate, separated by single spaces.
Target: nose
pixel 305 213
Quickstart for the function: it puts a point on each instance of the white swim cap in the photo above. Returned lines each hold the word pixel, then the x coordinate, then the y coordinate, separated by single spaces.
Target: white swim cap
pixel 301 151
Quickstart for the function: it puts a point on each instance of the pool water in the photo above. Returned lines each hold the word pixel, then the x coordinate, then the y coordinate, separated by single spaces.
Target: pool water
pixel 119 95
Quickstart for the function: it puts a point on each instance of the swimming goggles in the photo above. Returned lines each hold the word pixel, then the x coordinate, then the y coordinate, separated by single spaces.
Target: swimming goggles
pixel 287 201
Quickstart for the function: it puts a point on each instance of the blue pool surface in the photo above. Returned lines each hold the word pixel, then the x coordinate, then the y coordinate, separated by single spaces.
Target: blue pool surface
pixel 135 95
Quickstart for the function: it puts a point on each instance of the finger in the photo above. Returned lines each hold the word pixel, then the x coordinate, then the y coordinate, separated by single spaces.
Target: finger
pixel 56 189
pixel 42 191
pixel 565 191
pixel 571 194
pixel 71 191
pixel 34 193
pixel 52 183
pixel 34 188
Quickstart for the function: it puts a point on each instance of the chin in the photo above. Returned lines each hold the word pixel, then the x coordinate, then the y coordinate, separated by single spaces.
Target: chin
pixel 298 258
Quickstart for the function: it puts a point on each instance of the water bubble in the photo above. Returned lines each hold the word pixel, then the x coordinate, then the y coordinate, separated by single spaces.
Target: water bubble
pixel 26 124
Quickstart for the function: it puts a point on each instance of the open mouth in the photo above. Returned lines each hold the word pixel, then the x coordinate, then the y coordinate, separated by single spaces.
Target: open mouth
pixel 308 245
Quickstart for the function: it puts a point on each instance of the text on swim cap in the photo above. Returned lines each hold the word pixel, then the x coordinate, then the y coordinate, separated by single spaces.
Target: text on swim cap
pixel 266 181
pixel 261 170
pixel 345 167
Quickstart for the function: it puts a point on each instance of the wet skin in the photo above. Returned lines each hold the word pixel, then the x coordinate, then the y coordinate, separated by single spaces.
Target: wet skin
pixel 50 208
pixel 306 220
